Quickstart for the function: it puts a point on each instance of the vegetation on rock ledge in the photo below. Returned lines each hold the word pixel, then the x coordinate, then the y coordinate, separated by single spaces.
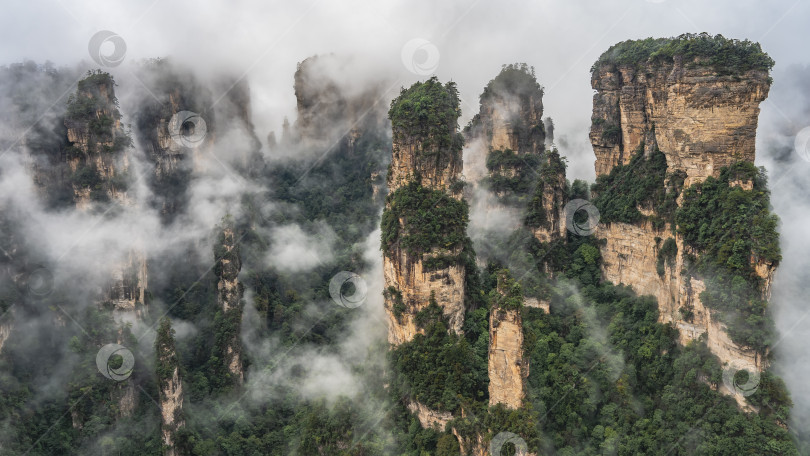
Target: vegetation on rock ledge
pixel 726 56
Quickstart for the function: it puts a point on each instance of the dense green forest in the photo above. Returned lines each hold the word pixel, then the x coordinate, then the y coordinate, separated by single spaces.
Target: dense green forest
pixel 605 376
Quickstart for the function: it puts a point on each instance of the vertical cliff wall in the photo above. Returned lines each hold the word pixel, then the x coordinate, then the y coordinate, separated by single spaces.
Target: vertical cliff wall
pixel 700 119
pixel 545 212
pixel 508 369
pixel 424 223
pixel 229 298
pixel 701 113
pixel 97 143
pixel 170 387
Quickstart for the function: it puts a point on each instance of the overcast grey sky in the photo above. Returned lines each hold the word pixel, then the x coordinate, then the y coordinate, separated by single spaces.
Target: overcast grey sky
pixel 265 39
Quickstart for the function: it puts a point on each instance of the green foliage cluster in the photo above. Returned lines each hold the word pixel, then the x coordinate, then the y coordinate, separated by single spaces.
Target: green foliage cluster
pixel 508 294
pixel 733 230
pixel 427 113
pixel 430 218
pixel 512 174
pixel 165 354
pixel 552 174
pixel 724 55
pixel 438 369
pixel 606 377
pixel 641 183
pixel 516 79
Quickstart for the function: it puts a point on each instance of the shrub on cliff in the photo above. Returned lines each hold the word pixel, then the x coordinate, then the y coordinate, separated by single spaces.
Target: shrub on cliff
pixel 725 55
pixel 427 114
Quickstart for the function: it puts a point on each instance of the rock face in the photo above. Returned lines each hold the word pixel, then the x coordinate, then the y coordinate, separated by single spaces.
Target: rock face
pixel 177 122
pixel 414 287
pixel 330 108
pixel 700 120
pixel 433 169
pixel 511 114
pixel 410 285
pixel 97 151
pixel 127 291
pixel 170 387
pixel 5 332
pixel 429 419
pixel 629 256
pixel 229 298
pixel 546 209
pixel 507 368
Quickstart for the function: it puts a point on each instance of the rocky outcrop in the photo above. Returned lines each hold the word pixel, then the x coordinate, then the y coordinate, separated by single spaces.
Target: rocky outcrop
pixel 429 419
pixel 507 368
pixel 332 109
pixel 179 118
pixel 410 288
pixel 511 112
pixel 471 446
pixel 419 157
pixel 630 256
pixel 97 151
pixel 5 332
pixel 229 299
pixel 437 170
pixel 702 121
pixel 127 291
pixel 546 216
pixel 170 387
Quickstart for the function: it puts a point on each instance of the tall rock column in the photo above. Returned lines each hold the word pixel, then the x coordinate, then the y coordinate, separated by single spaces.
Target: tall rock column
pixel 424 224
pixel 508 369
pixel 229 298
pixel 507 136
pixel 545 212
pixel 96 154
pixel 169 385
pixel 683 117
